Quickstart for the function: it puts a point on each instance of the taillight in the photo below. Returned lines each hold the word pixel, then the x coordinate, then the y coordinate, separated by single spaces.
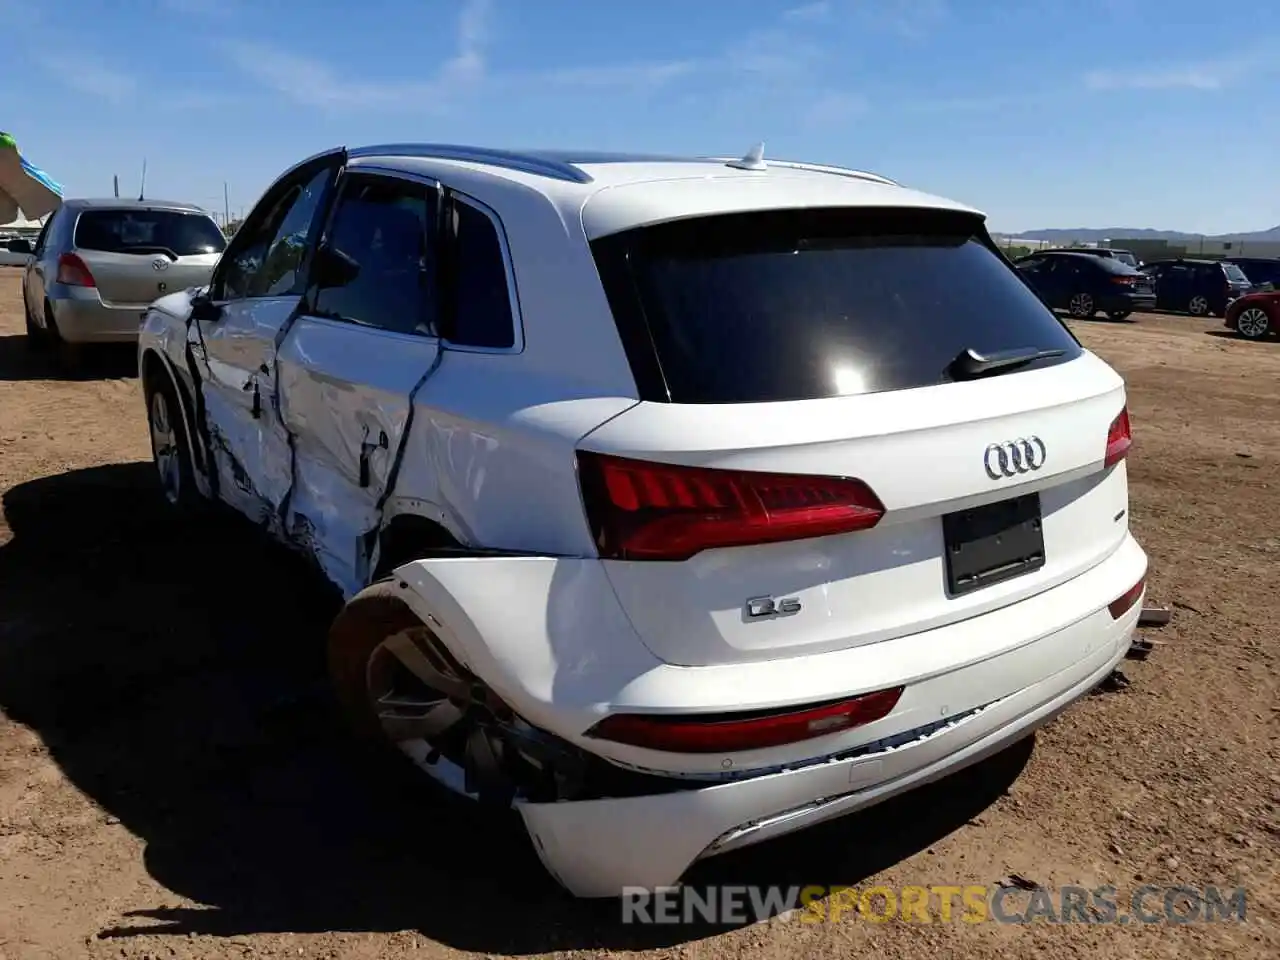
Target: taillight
pixel 1124 603
pixel 1119 440
pixel 639 510
pixel 731 733
pixel 1125 281
pixel 73 272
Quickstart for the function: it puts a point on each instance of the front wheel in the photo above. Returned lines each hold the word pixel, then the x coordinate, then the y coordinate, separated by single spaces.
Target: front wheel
pixel 1082 306
pixel 1253 323
pixel 1118 315
pixel 170 447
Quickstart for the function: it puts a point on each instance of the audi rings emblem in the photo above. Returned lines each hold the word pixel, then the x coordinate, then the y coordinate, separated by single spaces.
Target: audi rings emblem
pixel 160 263
pixel 1014 457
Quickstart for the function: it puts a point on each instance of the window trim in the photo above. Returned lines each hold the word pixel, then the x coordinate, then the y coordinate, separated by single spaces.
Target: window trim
pixel 508 268
pixel 335 201
pixel 265 207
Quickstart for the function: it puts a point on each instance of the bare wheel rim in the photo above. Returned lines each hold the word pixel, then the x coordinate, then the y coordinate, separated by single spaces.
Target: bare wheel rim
pixel 164 447
pixel 1253 322
pixel 421 704
pixel 1081 305
pixel 1199 306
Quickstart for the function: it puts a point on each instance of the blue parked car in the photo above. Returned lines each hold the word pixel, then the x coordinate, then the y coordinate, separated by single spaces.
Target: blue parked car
pixel 1082 284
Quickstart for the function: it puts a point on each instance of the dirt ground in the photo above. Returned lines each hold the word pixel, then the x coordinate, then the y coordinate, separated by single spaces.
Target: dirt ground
pixel 173 782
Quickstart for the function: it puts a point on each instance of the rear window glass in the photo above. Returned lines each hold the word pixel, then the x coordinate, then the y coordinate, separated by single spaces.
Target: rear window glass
pixel 1115 265
pixel 148 231
pixel 806 304
pixel 1234 273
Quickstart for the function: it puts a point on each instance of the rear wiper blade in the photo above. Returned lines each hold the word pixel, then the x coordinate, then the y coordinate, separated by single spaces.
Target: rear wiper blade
pixel 970 364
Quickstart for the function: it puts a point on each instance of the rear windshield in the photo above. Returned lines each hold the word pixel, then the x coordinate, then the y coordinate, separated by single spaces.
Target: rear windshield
pixel 806 304
pixel 1128 258
pixel 1116 265
pixel 148 231
pixel 1234 273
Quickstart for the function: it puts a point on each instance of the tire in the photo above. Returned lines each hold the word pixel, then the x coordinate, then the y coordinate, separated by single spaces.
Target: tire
pixel 171 448
pixel 1118 315
pixel 37 336
pixel 1198 306
pixel 1253 323
pixel 70 355
pixel 1082 306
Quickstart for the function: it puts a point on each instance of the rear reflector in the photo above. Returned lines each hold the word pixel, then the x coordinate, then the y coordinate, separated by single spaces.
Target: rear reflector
pixel 73 272
pixel 1124 603
pixel 1119 439
pixel 730 733
pixel 657 511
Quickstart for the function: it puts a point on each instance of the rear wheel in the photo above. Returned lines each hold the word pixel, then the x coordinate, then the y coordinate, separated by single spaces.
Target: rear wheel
pixel 1253 323
pixel 410 699
pixel 1082 306
pixel 37 336
pixel 70 355
pixel 1198 306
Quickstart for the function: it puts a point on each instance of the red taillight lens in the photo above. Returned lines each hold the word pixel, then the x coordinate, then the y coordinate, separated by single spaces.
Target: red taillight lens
pixel 1125 281
pixel 1124 603
pixel 73 272
pixel 729 734
pixel 657 511
pixel 1119 440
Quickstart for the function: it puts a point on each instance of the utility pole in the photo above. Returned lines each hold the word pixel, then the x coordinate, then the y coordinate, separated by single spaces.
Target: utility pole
pixel 115 185
pixel 142 186
pixel 226 204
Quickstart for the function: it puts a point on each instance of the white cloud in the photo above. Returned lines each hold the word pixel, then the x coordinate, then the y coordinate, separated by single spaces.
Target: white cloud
pixel 809 12
pixel 314 83
pixel 90 77
pixel 1189 77
pixel 641 75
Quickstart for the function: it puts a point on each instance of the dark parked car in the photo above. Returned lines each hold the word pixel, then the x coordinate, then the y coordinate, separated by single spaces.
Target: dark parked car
pixel 1083 284
pixel 1198 287
pixel 1255 315
pixel 1260 270
pixel 1112 253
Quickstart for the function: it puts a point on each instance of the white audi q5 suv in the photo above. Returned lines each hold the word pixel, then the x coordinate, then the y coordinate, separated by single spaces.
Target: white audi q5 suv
pixel 679 503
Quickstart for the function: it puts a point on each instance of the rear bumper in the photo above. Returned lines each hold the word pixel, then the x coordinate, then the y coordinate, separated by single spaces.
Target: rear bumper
pixel 82 317
pixel 597 848
pixel 1130 302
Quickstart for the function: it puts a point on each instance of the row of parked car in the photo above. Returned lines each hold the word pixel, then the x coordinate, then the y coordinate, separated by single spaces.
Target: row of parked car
pixel 1086 281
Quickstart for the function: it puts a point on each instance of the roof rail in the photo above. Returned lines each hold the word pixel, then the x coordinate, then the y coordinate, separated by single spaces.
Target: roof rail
pixel 508 159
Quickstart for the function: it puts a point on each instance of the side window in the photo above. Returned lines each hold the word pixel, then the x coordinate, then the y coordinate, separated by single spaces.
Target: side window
pixel 266 258
pixel 483 304
pixel 379 269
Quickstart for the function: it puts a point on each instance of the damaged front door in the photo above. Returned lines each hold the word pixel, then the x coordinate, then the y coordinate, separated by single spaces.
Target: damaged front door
pixel 253 296
pixel 364 341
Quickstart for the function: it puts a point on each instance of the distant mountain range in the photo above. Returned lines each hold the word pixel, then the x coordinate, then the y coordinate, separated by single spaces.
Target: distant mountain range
pixel 1085 234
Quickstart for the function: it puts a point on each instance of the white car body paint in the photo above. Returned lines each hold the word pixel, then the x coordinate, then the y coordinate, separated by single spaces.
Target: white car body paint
pixel 486 439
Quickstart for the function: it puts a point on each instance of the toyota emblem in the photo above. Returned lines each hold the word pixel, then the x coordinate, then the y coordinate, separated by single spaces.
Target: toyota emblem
pixel 160 263
pixel 1013 457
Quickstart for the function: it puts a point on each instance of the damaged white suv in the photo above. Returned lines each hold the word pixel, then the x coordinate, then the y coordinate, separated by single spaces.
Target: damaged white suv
pixel 679 503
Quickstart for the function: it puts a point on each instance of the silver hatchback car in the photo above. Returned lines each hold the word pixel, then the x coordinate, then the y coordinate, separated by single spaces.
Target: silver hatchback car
pixel 98 264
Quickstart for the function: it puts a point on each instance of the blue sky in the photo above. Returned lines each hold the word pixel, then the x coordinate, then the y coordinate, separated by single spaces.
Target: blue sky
pixel 1044 113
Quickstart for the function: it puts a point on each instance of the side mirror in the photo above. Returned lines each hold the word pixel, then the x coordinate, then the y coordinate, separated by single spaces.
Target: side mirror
pixel 204 310
pixel 19 245
pixel 333 268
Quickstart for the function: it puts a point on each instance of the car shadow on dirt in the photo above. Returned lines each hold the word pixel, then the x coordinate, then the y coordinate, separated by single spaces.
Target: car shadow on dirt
pixel 98 362
pixel 175 673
